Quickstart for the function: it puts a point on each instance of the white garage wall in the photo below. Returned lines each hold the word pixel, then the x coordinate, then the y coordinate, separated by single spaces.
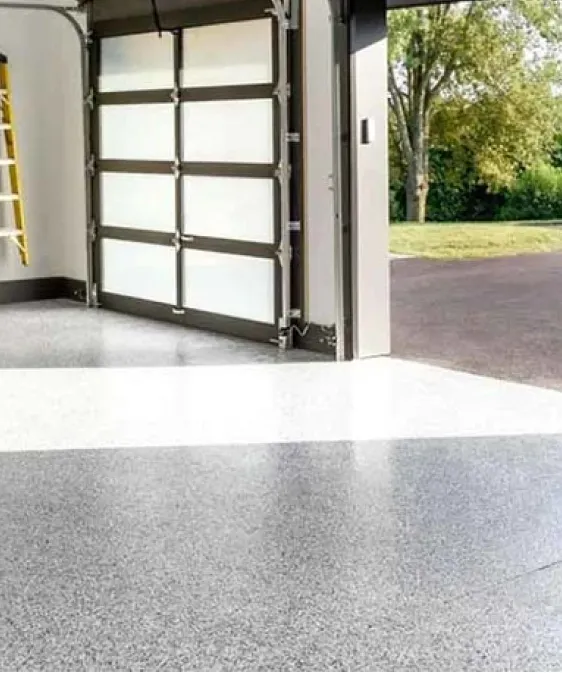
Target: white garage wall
pixel 44 66
pixel 318 216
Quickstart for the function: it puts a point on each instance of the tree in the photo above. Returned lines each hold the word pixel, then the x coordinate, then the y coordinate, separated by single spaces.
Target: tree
pixel 474 77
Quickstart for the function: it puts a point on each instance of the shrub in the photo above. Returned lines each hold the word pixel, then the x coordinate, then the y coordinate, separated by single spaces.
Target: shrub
pixel 536 195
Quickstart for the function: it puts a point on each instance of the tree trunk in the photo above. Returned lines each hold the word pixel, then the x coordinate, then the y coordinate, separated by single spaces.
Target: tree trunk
pixel 417 184
pixel 417 189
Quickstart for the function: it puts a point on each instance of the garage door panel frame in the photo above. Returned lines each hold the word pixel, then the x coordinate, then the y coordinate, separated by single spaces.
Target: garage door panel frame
pixel 213 322
pixel 95 176
pixel 135 97
pixel 186 18
pixel 230 247
pixel 226 246
pixel 226 92
pixel 135 166
pixel 179 201
pixel 187 316
pixel 153 237
pixel 196 95
pixel 201 169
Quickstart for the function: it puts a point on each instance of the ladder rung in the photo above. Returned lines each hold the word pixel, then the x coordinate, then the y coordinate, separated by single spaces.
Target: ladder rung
pixel 5 127
pixel 7 162
pixel 9 197
pixel 10 233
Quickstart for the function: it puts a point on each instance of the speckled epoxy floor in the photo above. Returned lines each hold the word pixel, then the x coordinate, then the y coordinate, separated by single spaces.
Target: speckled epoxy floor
pixel 62 333
pixel 381 515
pixel 396 555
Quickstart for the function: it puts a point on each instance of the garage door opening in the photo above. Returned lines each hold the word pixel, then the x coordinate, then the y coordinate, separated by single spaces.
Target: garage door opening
pixel 476 233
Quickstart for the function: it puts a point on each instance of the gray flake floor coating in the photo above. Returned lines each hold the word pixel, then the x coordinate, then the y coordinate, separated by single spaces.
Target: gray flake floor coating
pixel 404 555
pixel 66 334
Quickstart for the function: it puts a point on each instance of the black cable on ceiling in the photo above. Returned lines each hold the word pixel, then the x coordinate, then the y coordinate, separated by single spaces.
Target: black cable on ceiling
pixel 156 15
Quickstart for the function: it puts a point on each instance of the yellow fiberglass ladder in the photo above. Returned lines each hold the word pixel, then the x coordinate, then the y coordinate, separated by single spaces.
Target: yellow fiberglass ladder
pixel 16 233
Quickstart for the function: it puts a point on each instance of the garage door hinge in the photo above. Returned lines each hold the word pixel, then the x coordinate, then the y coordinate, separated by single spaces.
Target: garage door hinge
pixel 176 241
pixel 283 93
pixel 295 314
pixel 89 101
pixel 93 231
pixel 295 226
pixel 175 96
pixel 91 165
pixel 293 137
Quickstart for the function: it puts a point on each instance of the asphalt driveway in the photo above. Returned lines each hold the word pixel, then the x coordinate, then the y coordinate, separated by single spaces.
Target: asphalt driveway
pixel 495 317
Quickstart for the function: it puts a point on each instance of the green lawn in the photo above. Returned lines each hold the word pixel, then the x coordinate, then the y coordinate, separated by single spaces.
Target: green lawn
pixel 472 241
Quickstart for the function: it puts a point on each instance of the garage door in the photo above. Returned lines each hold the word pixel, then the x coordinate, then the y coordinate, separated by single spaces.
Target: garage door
pixel 186 195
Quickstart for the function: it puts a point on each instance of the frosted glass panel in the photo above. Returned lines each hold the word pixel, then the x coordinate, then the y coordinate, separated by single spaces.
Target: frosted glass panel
pixel 137 132
pixel 238 131
pixel 137 62
pixel 228 53
pixel 237 208
pixel 139 270
pixel 138 201
pixel 232 285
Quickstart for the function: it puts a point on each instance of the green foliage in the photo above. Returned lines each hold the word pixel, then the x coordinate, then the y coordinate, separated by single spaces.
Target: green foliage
pixel 456 194
pixel 478 79
pixel 452 181
pixel 536 195
pixel 397 201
